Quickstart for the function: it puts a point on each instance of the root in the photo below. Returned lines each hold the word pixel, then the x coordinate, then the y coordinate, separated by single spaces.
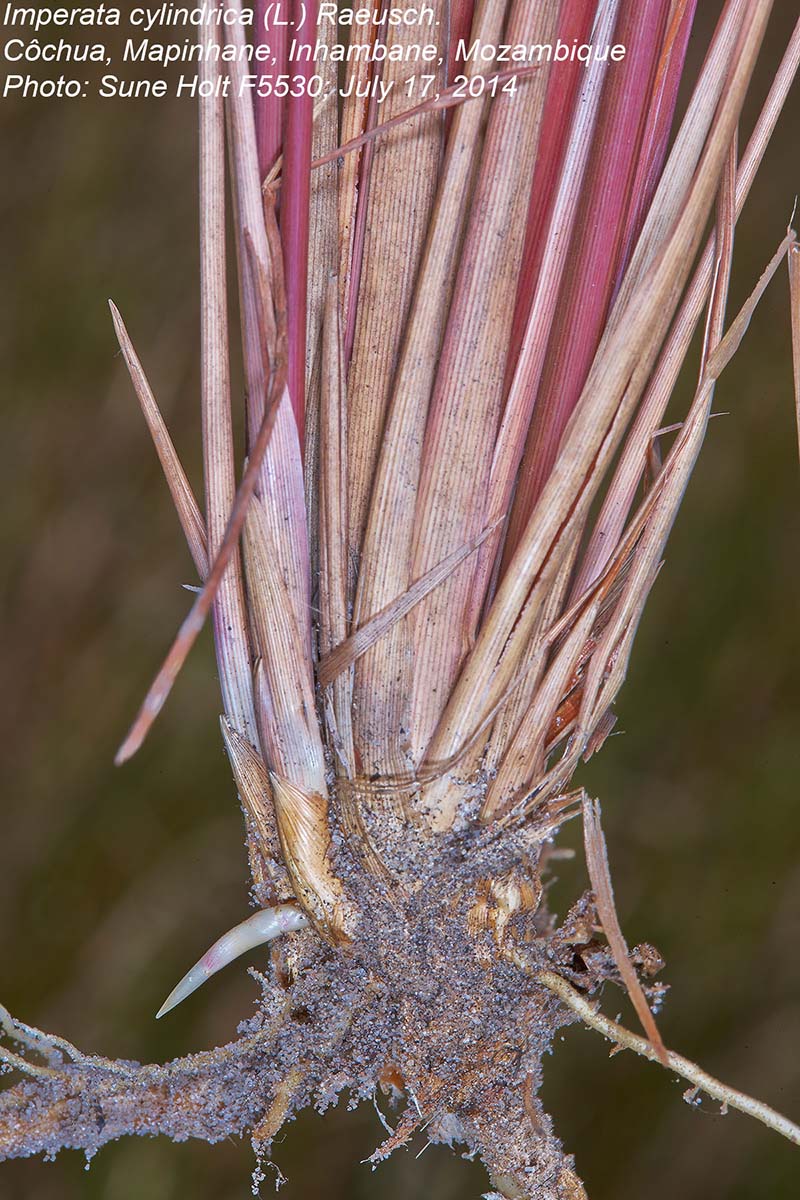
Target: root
pixel 728 1097
pixel 87 1101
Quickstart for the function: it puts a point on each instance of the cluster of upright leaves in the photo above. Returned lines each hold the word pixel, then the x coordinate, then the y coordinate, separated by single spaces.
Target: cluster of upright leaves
pixel 461 328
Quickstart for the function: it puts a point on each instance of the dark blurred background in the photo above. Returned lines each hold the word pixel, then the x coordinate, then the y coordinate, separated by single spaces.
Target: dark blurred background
pixel 113 881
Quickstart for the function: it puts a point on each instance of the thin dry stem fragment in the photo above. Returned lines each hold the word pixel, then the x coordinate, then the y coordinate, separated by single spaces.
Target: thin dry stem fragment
pixel 347 652
pixel 452 97
pixel 183 498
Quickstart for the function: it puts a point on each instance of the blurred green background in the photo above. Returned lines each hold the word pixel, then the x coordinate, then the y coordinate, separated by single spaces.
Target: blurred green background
pixel 113 881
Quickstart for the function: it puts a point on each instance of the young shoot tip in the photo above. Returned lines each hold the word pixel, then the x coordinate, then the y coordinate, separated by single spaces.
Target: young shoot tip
pixel 258 929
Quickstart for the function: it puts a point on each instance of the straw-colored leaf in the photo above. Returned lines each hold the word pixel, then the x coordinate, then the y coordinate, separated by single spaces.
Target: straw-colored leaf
pixel 467 398
pixel 281 476
pixel 192 625
pixel 293 744
pixel 383 678
pixel 719 357
pixel 395 213
pixel 353 123
pixel 322 262
pixel 600 876
pixel 333 475
pixel 230 619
